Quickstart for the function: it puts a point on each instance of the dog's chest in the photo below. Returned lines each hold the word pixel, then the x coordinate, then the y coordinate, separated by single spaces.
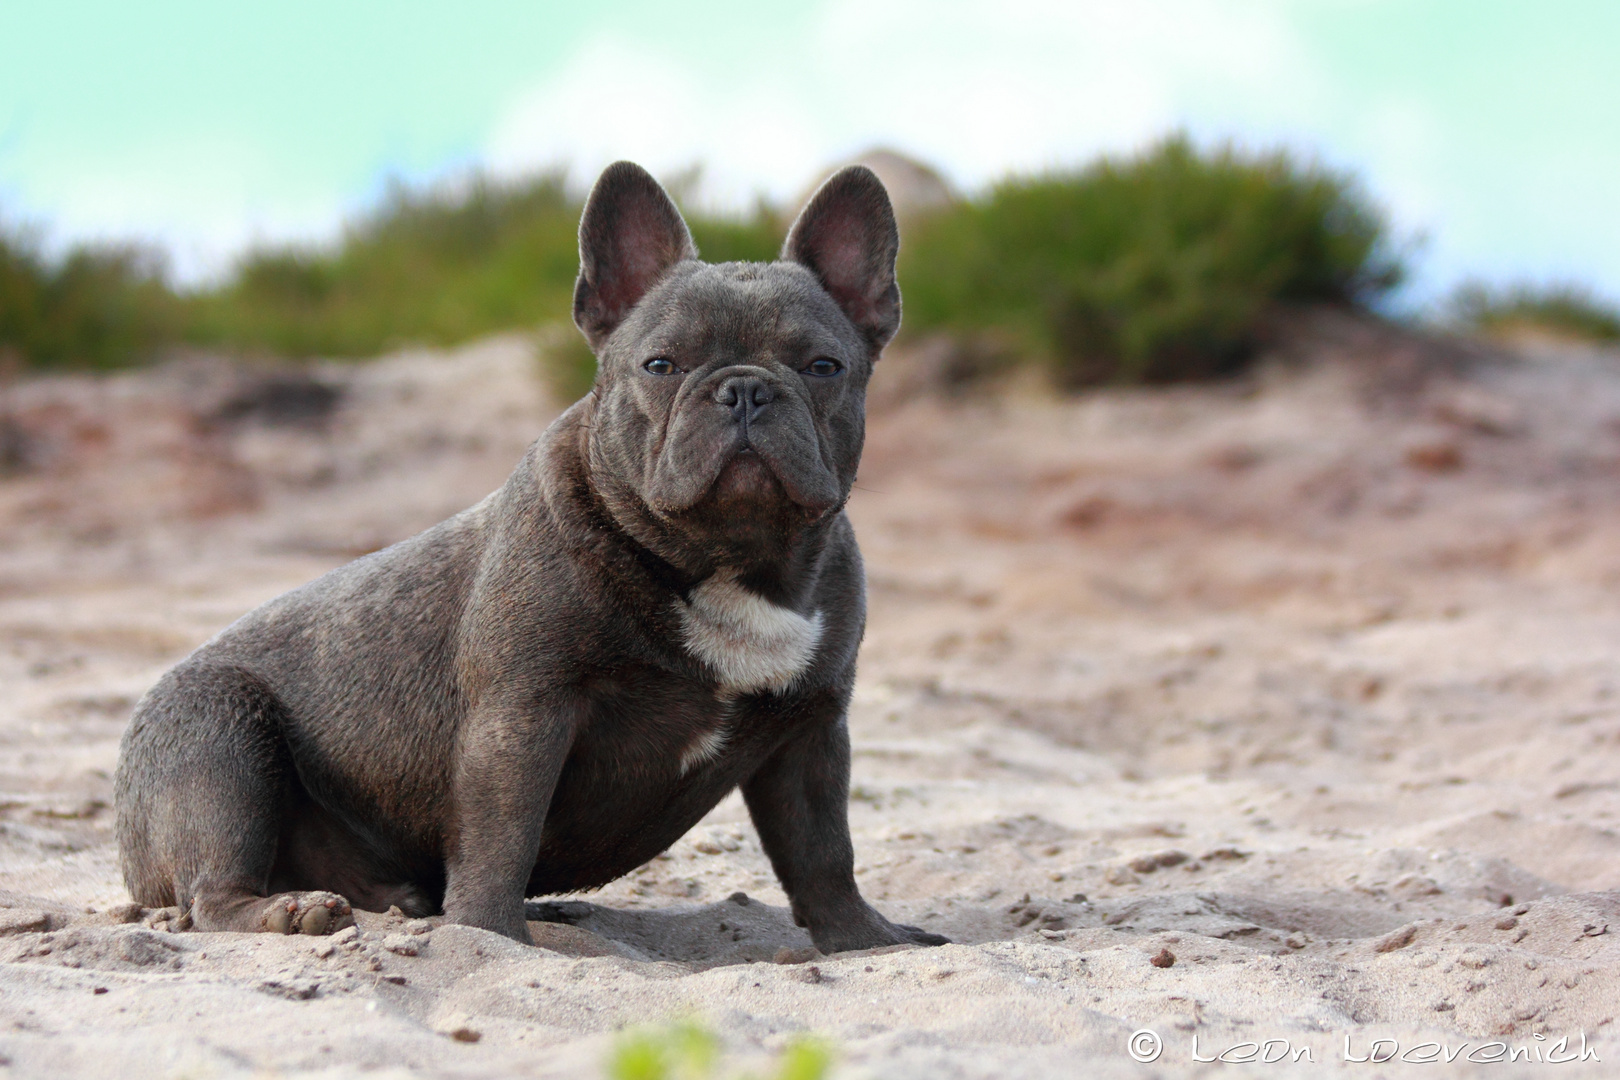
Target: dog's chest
pixel 750 644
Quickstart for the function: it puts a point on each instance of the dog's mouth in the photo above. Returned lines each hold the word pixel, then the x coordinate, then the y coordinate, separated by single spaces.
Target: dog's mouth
pixel 748 478
pixel 768 465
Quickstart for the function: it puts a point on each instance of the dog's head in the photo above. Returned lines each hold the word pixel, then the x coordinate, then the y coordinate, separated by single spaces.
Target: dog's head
pixel 730 397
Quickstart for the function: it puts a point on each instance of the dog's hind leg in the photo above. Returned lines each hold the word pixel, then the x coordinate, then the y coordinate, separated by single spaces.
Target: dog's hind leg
pixel 200 792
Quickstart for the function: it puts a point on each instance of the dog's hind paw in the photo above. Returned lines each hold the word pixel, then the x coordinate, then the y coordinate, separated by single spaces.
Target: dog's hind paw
pixel 570 912
pixel 312 913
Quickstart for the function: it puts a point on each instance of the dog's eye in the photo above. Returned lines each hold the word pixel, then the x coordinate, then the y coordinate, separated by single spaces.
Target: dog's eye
pixel 823 366
pixel 659 365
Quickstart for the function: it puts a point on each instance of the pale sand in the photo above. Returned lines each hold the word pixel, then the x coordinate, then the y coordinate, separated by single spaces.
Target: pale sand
pixel 1311 682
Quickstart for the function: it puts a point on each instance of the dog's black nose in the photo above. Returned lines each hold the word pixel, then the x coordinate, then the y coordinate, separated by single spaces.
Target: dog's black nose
pixel 746 396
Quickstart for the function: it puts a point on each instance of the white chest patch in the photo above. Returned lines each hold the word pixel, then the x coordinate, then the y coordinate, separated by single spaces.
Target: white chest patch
pixel 749 642
pixel 706 747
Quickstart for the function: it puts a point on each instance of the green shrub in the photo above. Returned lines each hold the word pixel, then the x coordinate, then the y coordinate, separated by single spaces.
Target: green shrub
pixel 438 267
pixel 688 1051
pixel 1153 268
pixel 98 306
pixel 435 267
pixel 757 238
pixel 1150 269
pixel 1563 310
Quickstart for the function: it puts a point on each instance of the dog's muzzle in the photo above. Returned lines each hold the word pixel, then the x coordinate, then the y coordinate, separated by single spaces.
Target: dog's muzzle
pixel 747 397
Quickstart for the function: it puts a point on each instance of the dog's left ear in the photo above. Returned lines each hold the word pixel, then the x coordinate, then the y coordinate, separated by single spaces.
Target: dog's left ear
pixel 629 237
pixel 847 237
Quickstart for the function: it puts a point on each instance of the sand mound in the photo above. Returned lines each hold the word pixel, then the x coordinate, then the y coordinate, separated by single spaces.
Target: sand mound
pixel 1281 710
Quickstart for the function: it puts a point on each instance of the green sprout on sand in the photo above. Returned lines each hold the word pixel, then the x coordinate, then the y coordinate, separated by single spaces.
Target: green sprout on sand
pixel 688 1051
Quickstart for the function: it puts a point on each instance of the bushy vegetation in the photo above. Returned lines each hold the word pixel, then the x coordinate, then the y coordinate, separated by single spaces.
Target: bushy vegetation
pixel 689 1051
pixel 435 267
pixel 1152 268
pixel 432 267
pixel 1561 310
pixel 97 306
pixel 1157 267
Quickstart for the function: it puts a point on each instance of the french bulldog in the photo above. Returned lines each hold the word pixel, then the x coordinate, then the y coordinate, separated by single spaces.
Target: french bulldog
pixel 662 604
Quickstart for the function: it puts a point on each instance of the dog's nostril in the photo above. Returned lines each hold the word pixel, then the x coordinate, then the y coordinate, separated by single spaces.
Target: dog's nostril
pixel 744 395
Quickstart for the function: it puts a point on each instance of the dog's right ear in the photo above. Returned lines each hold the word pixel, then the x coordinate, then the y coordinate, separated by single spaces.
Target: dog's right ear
pixel 629 237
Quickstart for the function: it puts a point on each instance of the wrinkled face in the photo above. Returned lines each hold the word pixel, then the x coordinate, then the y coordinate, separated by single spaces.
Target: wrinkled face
pixel 735 384
pixel 730 398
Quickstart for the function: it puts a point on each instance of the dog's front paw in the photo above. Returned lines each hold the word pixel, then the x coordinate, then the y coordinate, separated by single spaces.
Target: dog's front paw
pixel 870 931
pixel 312 913
pixel 920 936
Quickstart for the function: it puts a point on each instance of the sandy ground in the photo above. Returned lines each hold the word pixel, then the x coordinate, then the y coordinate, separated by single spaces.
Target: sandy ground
pixel 1284 710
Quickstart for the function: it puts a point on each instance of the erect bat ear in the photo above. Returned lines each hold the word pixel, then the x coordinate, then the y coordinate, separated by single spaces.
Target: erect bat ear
pixel 847 237
pixel 629 237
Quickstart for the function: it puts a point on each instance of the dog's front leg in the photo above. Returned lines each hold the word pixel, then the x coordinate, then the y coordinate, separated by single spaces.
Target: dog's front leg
pixel 506 769
pixel 799 800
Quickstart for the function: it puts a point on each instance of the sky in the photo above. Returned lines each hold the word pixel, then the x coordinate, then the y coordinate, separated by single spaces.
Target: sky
pixel 1489 130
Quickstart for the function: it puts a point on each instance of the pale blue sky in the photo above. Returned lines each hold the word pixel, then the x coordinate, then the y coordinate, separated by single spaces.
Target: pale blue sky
pixel 1491 128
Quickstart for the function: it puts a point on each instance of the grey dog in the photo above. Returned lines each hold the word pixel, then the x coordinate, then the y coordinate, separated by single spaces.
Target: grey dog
pixel 663 603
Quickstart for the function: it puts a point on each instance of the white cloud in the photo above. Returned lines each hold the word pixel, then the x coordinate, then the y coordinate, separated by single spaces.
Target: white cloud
pixel 622 99
pixel 203 196
pixel 976 87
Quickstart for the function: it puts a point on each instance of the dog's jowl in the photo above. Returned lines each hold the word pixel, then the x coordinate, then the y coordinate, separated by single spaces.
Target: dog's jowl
pixel 540 694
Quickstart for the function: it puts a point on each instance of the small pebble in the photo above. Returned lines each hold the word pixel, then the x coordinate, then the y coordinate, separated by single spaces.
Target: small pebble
pixel 402 944
pixel 466 1035
pixel 1396 939
pixel 1224 853
pixel 126 913
pixel 1163 958
pixel 1147 864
